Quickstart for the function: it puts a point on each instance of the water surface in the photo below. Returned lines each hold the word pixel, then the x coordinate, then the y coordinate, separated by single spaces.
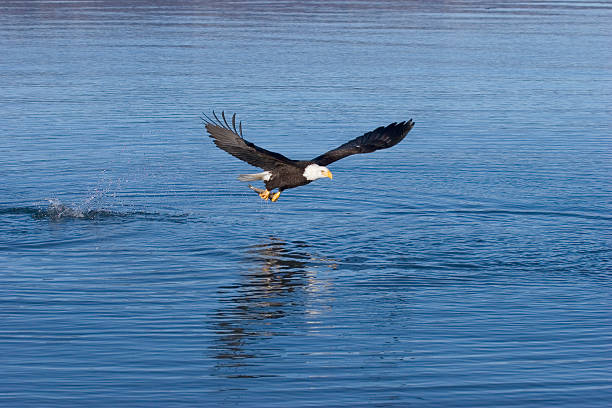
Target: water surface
pixel 468 266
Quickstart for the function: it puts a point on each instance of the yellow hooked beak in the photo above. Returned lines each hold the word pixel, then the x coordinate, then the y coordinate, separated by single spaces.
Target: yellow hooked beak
pixel 329 175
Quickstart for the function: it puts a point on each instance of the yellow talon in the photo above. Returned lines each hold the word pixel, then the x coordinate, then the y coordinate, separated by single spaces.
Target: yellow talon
pixel 265 195
pixel 275 196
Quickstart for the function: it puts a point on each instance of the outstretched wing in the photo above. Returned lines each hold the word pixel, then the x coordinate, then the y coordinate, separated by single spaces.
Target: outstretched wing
pixel 229 138
pixel 380 138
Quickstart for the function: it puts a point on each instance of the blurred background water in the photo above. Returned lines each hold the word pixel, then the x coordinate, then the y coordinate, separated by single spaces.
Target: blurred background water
pixel 468 266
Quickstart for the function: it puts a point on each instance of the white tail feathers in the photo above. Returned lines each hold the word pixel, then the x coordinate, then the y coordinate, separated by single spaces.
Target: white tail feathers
pixel 256 176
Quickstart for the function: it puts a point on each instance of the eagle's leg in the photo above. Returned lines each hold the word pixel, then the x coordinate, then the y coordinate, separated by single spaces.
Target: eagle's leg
pixel 275 196
pixel 264 194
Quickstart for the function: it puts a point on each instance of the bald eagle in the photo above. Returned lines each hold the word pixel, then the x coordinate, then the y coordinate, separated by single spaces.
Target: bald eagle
pixel 281 173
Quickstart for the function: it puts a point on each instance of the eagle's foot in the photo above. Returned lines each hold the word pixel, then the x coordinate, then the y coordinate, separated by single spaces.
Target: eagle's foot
pixel 275 196
pixel 265 195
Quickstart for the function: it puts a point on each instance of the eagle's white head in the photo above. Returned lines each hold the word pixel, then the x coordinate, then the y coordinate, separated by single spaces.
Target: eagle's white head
pixel 314 171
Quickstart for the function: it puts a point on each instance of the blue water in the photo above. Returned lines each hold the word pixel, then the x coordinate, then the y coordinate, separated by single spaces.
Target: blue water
pixel 470 265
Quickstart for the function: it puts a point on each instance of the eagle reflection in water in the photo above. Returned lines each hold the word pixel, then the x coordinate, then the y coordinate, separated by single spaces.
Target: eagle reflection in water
pixel 268 302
